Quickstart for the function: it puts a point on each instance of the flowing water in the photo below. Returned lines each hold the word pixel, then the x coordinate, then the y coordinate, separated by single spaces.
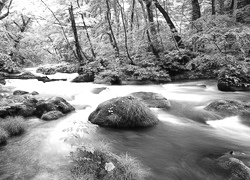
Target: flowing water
pixel 181 147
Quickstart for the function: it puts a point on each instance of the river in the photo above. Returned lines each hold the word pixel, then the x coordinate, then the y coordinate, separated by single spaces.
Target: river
pixel 180 147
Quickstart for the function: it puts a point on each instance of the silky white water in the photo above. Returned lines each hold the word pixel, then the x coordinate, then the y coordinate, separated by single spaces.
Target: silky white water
pixel 177 148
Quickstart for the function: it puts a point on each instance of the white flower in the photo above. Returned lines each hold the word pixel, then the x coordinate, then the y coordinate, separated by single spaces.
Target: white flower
pixel 109 166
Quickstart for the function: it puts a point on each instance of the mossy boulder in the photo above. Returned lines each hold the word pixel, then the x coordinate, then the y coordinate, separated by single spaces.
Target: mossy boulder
pixel 53 104
pixel 54 68
pixel 52 115
pixel 228 107
pixel 234 78
pixel 123 112
pixel 151 99
pixel 83 78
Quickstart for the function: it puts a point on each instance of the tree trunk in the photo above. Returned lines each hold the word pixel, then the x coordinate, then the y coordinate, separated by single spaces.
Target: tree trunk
pixel 77 44
pixel 125 33
pixel 87 33
pixel 196 12
pixel 111 30
pixel 151 43
pixel 213 7
pixel 221 7
pixel 171 25
pixel 117 18
pixel 132 15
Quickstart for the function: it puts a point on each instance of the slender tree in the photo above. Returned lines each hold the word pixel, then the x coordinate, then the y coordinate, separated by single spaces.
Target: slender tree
pixel 125 32
pixel 79 53
pixel 111 30
pixel 87 33
pixel 213 6
pixel 171 25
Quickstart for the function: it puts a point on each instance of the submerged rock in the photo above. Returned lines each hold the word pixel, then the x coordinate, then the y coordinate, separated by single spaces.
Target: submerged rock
pixel 123 112
pixel 228 107
pixel 154 100
pixel 53 104
pixel 52 115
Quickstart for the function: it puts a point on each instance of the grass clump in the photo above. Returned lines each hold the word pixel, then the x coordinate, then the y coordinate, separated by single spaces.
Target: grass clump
pixel 96 164
pixel 13 125
pixel 3 136
pixel 93 158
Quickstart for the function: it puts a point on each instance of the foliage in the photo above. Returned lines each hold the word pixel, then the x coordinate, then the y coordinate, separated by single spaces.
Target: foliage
pixel 7 65
pixel 221 34
pixel 13 125
pixel 3 136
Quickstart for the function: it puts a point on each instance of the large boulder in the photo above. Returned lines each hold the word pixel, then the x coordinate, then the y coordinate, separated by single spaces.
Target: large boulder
pixel 52 115
pixel 83 78
pixel 228 107
pixel 123 112
pixel 53 104
pixel 234 78
pixel 151 99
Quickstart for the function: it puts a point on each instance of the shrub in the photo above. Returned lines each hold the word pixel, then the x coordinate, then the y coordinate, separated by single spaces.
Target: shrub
pixel 3 136
pixel 103 165
pixel 13 125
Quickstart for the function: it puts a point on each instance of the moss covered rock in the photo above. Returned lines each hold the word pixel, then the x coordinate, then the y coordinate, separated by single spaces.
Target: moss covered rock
pixel 123 112
pixel 228 107
pixel 83 78
pixel 53 104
